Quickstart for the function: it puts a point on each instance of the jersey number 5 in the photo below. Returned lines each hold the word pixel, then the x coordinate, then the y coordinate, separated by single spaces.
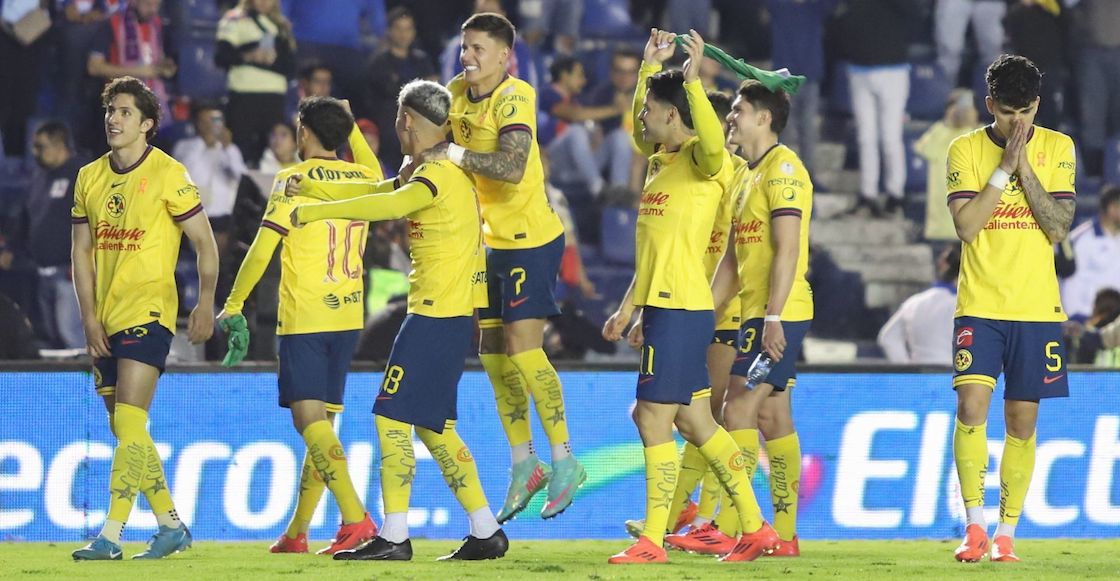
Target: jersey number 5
pixel 1054 357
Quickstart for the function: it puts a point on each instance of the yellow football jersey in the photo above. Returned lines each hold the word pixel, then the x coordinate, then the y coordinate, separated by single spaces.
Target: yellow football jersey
pixel 729 317
pixel 675 220
pixel 448 277
pixel 514 215
pixel 1007 272
pixel 132 214
pixel 321 263
pixel 776 185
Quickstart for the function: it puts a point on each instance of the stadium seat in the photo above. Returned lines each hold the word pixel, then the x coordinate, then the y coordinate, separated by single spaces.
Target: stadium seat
pixel 928 91
pixel 617 235
pixel 1111 160
pixel 199 77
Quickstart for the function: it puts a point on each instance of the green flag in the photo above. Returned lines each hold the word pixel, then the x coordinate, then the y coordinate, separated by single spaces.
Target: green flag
pixel 770 79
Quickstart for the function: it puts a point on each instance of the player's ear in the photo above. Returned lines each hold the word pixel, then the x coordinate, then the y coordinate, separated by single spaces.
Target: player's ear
pixel 146 125
pixel 990 103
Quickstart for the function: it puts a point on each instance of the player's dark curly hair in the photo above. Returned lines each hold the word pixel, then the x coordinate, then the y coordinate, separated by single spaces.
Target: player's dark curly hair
pixel 1014 81
pixel 721 102
pixel 327 119
pixel 497 26
pixel 776 102
pixel 668 87
pixel 146 100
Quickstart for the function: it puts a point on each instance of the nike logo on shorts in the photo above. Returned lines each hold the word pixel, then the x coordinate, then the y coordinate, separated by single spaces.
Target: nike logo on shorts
pixel 514 304
pixel 1049 380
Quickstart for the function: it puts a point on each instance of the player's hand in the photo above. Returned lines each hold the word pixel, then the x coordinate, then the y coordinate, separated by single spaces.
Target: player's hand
pixel 694 47
pixel 97 342
pixel 613 328
pixel 346 105
pixel 636 337
pixel 774 339
pixel 660 46
pixel 1013 151
pixel 434 153
pixel 408 165
pixel 200 325
pixel 237 332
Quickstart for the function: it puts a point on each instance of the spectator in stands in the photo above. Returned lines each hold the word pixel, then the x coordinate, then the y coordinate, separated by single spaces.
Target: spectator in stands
pixel 256 46
pixel 315 80
pixel 372 134
pixel 960 118
pixel 78 29
pixel 23 46
pixel 921 331
pixel 398 62
pixel 566 128
pixel 1095 344
pixel 330 32
pixel 1096 253
pixel 1036 30
pixel 216 166
pixel 555 19
pixel 874 37
pixel 132 42
pixel 1096 27
pixel 520 63
pixel 951 21
pixel 1109 333
pixel 797 33
pixel 46 214
pixel 619 87
pixel 281 152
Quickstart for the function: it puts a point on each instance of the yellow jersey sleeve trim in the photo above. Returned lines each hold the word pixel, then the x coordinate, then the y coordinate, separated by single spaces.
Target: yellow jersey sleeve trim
pixel 399 203
pixel 252 268
pixel 646 71
pixel 708 129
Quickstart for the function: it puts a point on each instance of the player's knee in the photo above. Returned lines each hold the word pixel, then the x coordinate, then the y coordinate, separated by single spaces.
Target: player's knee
pixel 972 411
pixel 1020 425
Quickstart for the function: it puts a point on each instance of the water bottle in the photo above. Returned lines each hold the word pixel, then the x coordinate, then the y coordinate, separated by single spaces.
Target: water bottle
pixel 759 370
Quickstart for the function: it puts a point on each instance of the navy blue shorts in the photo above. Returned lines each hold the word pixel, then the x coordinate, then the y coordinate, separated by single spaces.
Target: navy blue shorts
pixel 784 374
pixel 147 344
pixel 1032 356
pixel 421 382
pixel 313 366
pixel 521 283
pixel 674 367
pixel 729 337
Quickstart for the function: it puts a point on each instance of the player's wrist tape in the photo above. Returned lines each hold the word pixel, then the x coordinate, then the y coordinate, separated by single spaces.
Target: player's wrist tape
pixel 999 179
pixel 455 153
pixel 772 319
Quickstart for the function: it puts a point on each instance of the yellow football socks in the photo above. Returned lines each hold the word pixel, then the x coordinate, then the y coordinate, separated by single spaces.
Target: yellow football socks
pixel 662 466
pixel 457 465
pixel 728 463
pixel 970 450
pixel 1015 470
pixel 330 461
pixel 548 397
pixel 311 489
pixel 785 478
pixel 511 395
pixel 693 468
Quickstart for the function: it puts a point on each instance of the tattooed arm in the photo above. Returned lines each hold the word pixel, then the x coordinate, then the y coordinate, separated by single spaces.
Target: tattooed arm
pixel 506 165
pixel 1054 216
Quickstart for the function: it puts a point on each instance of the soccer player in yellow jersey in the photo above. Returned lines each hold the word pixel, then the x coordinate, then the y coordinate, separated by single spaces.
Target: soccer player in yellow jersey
pixel 689 169
pixel 721 354
pixel 493 121
pixel 131 209
pixel 446 284
pixel 320 317
pixel 1011 194
pixel 766 267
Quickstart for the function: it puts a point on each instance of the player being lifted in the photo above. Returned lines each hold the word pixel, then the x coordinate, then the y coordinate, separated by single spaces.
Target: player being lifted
pixel 688 172
pixel 1011 194
pixel 493 120
pixel 721 355
pixel 131 209
pixel 766 266
pixel 446 284
pixel 320 317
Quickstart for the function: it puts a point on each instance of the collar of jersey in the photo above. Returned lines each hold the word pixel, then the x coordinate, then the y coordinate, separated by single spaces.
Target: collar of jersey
pixel 131 167
pixel 758 162
pixel 991 131
pixel 474 99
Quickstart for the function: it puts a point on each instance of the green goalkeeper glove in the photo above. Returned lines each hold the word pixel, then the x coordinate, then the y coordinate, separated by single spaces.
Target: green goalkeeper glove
pixel 237 330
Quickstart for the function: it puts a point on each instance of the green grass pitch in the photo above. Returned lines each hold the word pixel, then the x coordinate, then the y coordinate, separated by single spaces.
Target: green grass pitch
pixel 577 560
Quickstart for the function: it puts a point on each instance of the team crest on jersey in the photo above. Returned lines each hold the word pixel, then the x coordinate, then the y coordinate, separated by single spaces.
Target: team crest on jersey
pixel 963 360
pixel 654 168
pixel 115 205
pixel 465 129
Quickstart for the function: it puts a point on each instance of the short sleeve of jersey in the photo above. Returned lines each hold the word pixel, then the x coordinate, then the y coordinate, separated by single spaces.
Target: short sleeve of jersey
pixel 78 211
pixel 516 108
pixel 961 180
pixel 1063 176
pixel 180 194
pixel 788 189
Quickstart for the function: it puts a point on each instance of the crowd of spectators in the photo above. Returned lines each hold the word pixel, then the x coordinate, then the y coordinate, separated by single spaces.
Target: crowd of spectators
pixel 893 80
